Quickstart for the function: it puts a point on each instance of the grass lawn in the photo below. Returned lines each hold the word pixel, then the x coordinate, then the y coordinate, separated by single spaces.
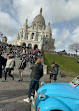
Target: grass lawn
pixel 68 65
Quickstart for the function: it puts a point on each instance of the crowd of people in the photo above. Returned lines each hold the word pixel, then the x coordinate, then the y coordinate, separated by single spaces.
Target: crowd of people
pixel 26 55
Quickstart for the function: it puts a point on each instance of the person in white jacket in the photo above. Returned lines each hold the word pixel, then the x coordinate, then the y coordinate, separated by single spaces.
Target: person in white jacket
pixel 9 66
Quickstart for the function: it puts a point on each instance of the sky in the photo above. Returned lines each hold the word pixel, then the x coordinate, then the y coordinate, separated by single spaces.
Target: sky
pixel 63 16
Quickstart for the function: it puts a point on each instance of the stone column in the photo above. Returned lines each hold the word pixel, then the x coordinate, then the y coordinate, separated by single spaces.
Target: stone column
pixel 29 36
pixel 36 34
pixel 25 32
pixel 18 36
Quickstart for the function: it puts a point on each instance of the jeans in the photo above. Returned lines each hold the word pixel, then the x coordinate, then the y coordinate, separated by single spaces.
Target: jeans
pixel 54 77
pixel 34 85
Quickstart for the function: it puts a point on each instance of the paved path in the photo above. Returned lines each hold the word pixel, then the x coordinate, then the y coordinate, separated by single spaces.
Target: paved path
pixel 11 97
pixel 12 92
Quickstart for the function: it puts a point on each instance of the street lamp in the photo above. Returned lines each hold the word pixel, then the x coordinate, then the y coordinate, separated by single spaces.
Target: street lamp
pixel 1 35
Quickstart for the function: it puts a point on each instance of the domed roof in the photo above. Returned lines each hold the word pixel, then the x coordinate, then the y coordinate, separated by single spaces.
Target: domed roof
pixel 48 29
pixel 39 19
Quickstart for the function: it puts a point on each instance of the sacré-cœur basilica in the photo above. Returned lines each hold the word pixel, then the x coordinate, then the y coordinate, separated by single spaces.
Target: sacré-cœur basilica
pixel 36 34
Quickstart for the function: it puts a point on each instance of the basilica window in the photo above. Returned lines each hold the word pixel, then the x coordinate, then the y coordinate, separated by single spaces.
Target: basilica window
pixel 32 35
pixel 22 34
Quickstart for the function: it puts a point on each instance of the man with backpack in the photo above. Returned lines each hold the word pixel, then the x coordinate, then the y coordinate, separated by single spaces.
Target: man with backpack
pixel 22 66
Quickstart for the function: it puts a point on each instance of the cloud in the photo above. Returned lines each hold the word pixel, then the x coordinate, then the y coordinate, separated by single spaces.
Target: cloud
pixel 27 9
pixel 61 10
pixel 65 37
pixel 8 26
pixel 54 31
pixel 75 35
pixel 13 14
pixel 61 39
pixel 10 39
pixel 54 11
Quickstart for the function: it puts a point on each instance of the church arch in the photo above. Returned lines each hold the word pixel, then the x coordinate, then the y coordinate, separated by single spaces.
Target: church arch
pixel 35 46
pixel 23 44
pixel 30 45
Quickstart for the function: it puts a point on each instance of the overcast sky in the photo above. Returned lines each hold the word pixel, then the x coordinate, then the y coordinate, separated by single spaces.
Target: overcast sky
pixel 62 14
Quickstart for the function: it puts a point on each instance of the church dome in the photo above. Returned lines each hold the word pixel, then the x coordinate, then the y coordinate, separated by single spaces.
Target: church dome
pixel 39 19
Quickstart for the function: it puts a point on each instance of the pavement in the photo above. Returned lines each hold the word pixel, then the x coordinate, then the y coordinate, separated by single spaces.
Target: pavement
pixel 12 92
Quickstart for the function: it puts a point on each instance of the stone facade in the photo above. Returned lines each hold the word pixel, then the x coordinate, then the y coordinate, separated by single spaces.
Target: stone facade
pixel 37 34
pixel 4 39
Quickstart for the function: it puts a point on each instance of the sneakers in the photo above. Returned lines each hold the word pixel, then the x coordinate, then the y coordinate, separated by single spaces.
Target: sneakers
pixel 20 80
pixel 4 81
pixel 26 100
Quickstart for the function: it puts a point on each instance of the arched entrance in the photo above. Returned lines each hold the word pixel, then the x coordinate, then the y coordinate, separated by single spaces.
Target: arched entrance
pixel 23 44
pixel 35 46
pixel 30 45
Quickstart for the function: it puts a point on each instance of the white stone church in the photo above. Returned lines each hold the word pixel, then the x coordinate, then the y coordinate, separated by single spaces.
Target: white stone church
pixel 37 34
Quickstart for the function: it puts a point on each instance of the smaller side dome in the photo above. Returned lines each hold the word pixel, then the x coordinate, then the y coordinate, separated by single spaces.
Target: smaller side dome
pixel 48 29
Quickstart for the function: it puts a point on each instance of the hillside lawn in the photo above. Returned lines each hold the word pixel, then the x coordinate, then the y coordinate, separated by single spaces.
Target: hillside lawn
pixel 68 65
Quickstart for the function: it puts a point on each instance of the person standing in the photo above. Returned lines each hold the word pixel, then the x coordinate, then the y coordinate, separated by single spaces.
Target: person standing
pixel 12 69
pixel 2 63
pixel 22 66
pixel 9 66
pixel 37 73
pixel 54 72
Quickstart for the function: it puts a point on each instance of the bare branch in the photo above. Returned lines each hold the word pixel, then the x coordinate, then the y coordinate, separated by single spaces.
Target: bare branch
pixel 74 47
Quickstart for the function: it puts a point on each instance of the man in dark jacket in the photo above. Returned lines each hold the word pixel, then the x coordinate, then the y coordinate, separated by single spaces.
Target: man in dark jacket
pixel 54 72
pixel 2 63
pixel 37 73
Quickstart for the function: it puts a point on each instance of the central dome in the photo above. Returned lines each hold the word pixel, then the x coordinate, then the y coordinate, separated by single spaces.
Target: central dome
pixel 39 19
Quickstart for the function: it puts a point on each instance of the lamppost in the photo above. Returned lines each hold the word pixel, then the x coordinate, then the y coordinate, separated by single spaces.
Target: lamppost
pixel 1 35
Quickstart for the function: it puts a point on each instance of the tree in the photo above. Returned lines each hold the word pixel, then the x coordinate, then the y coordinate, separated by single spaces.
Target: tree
pixel 74 47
